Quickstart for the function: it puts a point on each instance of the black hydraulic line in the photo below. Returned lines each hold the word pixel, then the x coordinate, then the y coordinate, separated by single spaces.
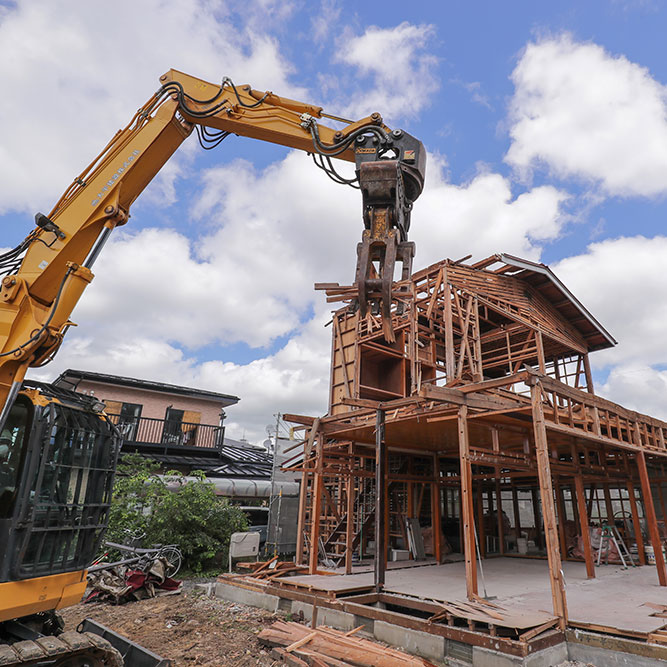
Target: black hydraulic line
pixel 43 328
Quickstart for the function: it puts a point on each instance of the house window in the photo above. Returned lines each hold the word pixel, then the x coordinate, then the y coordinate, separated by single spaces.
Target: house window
pixel 180 427
pixel 172 433
pixel 126 416
pixel 130 413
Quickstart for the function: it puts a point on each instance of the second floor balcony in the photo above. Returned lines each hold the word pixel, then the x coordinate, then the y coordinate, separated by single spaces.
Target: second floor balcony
pixel 168 433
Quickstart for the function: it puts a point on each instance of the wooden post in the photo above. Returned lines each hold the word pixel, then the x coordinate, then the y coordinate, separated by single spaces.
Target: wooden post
pixel 450 367
pixel 661 497
pixel 318 484
pixel 467 514
pixel 303 490
pixel 562 517
pixel 608 505
pixel 649 513
pixel 349 527
pixel 481 528
pixel 548 510
pixel 589 376
pixel 583 526
pixel 380 502
pixel 517 515
pixel 636 525
pixel 461 526
pixel 499 513
pixel 536 518
pixel 436 522
pixel 541 361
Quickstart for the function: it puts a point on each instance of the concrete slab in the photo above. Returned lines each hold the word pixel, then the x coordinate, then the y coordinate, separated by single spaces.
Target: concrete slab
pixel 614 599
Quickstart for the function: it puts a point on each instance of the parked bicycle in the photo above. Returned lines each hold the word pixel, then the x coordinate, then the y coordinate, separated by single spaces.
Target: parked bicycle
pixel 142 557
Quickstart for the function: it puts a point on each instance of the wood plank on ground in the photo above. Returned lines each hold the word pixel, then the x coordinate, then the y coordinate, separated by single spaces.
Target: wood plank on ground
pixel 329 647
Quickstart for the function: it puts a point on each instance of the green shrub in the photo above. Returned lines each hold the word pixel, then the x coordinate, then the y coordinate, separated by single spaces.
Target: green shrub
pixel 191 516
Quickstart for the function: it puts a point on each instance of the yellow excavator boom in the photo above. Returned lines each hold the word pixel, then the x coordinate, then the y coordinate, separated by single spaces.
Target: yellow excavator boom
pixel 43 279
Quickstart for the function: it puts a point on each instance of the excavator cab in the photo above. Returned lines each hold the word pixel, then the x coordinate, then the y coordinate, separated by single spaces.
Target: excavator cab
pixel 57 459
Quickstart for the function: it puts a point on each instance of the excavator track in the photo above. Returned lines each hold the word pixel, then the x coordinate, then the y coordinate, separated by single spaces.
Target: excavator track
pixel 70 649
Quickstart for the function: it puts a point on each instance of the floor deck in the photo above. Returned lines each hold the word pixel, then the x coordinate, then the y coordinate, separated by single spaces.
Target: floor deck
pixel 615 599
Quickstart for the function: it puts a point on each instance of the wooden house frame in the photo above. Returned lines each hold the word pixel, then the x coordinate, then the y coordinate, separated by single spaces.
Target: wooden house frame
pixel 483 399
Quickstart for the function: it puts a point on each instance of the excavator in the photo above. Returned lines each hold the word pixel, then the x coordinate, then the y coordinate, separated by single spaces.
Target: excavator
pixel 58 449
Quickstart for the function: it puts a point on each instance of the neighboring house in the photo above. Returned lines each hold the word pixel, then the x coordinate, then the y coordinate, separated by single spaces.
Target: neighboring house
pixel 176 425
pixel 183 429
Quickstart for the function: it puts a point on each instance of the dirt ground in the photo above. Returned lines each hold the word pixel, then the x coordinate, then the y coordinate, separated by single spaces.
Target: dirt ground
pixel 193 629
pixel 188 628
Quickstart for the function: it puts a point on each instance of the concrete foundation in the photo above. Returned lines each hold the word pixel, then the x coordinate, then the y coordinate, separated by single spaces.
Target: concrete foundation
pixel 599 650
pixel 412 641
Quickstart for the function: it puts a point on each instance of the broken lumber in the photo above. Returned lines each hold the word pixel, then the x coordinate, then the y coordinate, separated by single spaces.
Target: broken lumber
pixel 329 647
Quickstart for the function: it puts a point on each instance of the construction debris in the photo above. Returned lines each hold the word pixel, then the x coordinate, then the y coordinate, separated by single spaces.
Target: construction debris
pixel 121 583
pixel 272 569
pixel 325 647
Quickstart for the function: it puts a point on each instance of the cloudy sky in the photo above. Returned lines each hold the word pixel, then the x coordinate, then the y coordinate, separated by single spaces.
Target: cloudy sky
pixel 545 123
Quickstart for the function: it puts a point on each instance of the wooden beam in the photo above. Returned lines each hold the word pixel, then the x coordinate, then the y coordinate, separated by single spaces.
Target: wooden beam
pixel 467 514
pixel 548 510
pixel 472 400
pixel 299 419
pixel 583 526
pixel 493 384
pixel 649 513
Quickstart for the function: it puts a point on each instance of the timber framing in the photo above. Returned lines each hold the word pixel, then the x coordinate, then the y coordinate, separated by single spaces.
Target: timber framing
pixel 477 422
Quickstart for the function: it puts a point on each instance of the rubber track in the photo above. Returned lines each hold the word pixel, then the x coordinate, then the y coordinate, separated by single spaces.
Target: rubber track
pixel 68 645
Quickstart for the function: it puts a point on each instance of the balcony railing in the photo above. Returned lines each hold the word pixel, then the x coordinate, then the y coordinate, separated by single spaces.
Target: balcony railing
pixel 147 430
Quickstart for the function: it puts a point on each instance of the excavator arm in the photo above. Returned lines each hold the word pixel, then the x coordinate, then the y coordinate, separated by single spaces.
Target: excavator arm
pixel 44 277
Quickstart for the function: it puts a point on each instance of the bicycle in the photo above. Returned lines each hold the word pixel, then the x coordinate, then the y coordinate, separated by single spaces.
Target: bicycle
pixel 143 556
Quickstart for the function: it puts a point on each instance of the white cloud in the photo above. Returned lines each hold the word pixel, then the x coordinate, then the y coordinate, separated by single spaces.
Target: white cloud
pixel 482 217
pixel 640 388
pixel 273 233
pixel 73 82
pixel 325 21
pixel 623 283
pixel 400 68
pixel 583 112
pixel 295 379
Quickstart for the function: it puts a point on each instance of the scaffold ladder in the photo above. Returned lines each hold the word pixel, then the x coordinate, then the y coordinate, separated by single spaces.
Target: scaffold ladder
pixel 608 536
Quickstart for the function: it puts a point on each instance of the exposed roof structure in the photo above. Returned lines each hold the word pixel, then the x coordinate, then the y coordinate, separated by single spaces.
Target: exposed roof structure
pixel 541 278
pixel 72 378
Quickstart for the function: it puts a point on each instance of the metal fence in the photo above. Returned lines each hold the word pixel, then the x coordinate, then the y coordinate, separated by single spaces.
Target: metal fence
pixel 168 432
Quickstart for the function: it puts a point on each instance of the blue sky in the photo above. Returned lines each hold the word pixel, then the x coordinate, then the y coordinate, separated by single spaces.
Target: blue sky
pixel 546 126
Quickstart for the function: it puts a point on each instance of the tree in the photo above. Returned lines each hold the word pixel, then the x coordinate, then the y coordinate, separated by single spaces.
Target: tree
pixel 170 509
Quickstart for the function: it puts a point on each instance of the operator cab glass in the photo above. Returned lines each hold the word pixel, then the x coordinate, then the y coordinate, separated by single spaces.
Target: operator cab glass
pixel 12 453
pixel 56 473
